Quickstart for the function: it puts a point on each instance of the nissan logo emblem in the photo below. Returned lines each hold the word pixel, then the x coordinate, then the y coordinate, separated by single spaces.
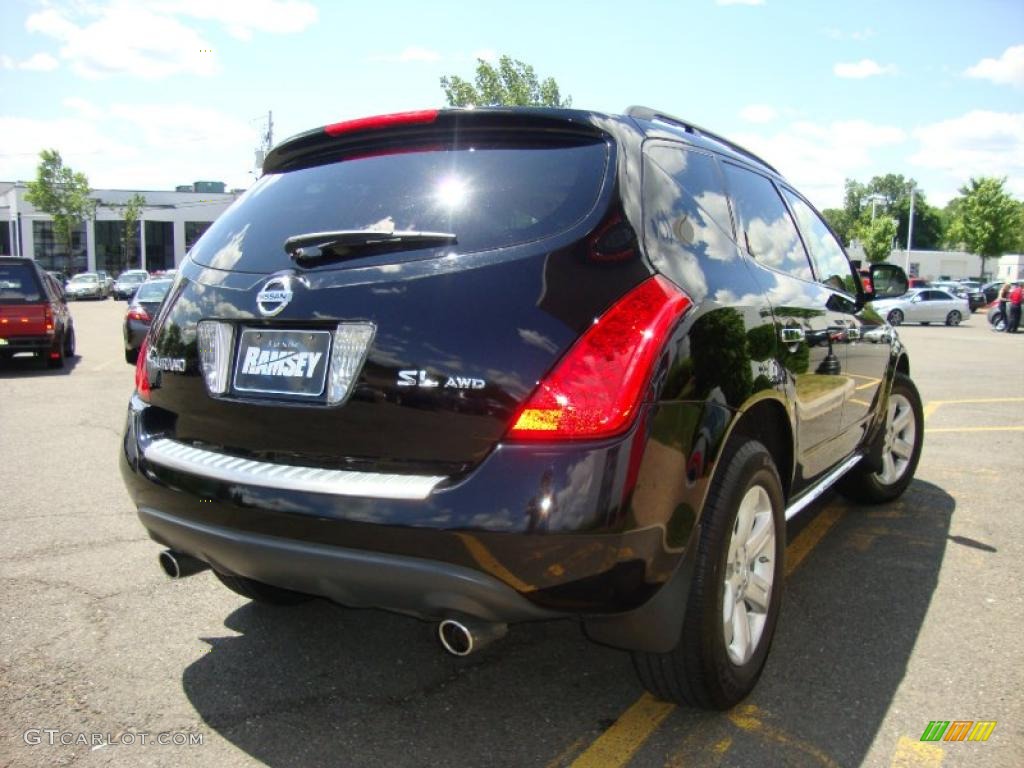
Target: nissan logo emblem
pixel 274 297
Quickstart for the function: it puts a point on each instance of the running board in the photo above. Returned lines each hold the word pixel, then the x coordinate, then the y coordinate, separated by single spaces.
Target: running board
pixel 818 490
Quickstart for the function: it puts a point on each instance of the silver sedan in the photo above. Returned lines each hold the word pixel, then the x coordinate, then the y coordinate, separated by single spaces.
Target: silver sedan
pixel 924 305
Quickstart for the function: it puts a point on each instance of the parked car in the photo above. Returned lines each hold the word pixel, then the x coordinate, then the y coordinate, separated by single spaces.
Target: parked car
pixel 975 297
pixel 86 285
pixel 129 282
pixel 918 282
pixel 991 290
pixel 458 353
pixel 60 277
pixel 924 306
pixel 140 315
pixel 34 316
pixel 108 281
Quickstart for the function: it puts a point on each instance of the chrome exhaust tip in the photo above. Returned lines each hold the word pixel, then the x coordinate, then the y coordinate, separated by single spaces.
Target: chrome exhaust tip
pixel 461 637
pixel 178 565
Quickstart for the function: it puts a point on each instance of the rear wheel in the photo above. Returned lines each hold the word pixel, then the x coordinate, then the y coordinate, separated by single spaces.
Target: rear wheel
pixel 901 449
pixel 895 317
pixel 260 592
pixel 953 318
pixel 55 357
pixel 736 591
pixel 131 356
pixel 69 342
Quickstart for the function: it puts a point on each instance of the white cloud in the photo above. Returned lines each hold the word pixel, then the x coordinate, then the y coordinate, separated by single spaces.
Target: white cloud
pixel 979 143
pixel 739 2
pixel 413 53
pixel 857 35
pixel 861 69
pixel 759 113
pixel 37 62
pixel 1008 69
pixel 84 108
pixel 817 157
pixel 157 38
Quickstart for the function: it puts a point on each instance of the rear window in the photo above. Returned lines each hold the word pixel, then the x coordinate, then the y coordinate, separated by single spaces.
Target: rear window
pixel 154 291
pixel 18 284
pixel 85 279
pixel 489 197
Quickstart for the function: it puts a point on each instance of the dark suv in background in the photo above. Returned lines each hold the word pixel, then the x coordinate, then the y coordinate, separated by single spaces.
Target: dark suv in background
pixel 500 365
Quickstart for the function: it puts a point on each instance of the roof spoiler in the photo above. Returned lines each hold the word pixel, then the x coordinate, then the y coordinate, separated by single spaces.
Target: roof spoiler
pixel 646 113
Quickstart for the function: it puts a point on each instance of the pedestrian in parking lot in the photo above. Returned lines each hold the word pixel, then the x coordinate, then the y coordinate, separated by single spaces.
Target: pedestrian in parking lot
pixel 1015 296
pixel 1004 291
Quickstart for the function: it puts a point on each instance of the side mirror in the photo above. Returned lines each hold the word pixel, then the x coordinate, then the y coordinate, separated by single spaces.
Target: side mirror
pixel 887 281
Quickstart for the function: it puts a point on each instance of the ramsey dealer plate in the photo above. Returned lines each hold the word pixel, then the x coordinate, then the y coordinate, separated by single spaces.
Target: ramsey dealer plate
pixel 282 362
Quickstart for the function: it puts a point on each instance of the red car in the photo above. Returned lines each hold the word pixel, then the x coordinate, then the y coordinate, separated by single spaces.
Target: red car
pixel 34 315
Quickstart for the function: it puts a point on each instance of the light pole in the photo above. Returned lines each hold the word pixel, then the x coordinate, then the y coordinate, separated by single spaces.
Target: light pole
pixel 910 230
pixel 875 199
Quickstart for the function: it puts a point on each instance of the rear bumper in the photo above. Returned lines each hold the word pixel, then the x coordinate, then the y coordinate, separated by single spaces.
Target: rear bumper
pixel 13 344
pixel 532 532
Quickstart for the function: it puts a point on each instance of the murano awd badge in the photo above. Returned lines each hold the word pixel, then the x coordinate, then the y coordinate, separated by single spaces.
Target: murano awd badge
pixel 274 297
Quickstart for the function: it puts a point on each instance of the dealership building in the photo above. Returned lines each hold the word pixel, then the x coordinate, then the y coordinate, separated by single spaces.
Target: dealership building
pixel 169 225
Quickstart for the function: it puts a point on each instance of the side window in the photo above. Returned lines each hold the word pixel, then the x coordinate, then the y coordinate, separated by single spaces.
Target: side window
pixel 830 263
pixel 685 203
pixel 765 227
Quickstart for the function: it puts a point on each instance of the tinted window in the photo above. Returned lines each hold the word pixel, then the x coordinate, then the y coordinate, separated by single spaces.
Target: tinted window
pixel 686 207
pixel 765 227
pixel 488 197
pixel 18 284
pixel 830 263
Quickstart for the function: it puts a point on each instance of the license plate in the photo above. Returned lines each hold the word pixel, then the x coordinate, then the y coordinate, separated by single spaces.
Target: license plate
pixel 291 363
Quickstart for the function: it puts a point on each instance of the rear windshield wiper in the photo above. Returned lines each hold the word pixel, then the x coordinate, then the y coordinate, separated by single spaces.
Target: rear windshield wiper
pixel 346 243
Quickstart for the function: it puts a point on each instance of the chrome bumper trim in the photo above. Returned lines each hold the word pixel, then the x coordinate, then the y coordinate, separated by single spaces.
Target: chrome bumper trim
pixel 816 491
pixel 231 469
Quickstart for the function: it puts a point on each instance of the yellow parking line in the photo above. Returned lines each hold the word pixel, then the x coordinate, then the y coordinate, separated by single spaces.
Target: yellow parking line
pixel 930 408
pixel 619 743
pixel 981 400
pixel 916 754
pixel 932 431
pixel 626 735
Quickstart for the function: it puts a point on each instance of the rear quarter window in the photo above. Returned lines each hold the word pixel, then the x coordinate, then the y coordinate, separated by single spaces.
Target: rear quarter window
pixel 488 196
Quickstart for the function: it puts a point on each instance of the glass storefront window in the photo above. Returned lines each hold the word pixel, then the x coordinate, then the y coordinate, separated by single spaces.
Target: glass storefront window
pixel 159 245
pixel 51 255
pixel 110 253
pixel 193 231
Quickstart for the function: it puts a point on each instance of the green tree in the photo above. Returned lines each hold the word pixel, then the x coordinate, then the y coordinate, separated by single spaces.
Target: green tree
pixel 62 193
pixel 986 220
pixel 876 237
pixel 511 83
pixel 841 221
pixel 895 189
pixel 132 214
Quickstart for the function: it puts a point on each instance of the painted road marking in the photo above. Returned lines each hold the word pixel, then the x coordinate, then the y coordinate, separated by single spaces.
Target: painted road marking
pixel 915 754
pixel 931 407
pixel 750 719
pixel 626 735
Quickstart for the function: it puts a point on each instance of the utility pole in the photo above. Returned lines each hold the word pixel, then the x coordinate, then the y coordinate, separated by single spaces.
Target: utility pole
pixel 266 141
pixel 910 230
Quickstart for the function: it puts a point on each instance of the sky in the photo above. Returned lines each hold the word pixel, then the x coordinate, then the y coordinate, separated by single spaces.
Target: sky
pixel 150 94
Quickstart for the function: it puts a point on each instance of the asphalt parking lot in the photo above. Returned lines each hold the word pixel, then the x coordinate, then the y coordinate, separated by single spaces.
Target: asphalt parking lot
pixel 893 617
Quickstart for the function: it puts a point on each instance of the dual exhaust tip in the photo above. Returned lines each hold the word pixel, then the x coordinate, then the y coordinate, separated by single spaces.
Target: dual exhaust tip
pixel 460 637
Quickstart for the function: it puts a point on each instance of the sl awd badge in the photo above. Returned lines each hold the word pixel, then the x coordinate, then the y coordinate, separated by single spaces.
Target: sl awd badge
pixel 422 379
pixel 274 297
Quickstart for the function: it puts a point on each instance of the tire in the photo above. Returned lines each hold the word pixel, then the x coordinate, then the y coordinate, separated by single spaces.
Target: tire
pixel 69 342
pixel 863 484
pixel 259 592
pixel 705 669
pixel 131 356
pixel 953 318
pixel 895 317
pixel 926 322
pixel 999 322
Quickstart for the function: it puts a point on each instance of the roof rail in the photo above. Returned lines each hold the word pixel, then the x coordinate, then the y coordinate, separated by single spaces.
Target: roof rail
pixel 646 113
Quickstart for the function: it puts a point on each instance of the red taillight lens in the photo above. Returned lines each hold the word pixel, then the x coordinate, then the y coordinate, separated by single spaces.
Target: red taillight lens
pixel 595 390
pixel 378 122
pixel 48 317
pixel 141 374
pixel 138 313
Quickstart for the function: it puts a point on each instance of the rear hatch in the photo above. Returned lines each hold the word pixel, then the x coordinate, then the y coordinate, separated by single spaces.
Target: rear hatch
pixel 23 303
pixel 460 255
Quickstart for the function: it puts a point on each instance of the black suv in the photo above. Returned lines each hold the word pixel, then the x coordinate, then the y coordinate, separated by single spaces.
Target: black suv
pixel 500 365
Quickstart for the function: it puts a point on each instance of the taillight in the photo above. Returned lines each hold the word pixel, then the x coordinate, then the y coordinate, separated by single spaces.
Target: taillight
pixel 378 122
pixel 48 318
pixel 141 373
pixel 595 390
pixel 138 313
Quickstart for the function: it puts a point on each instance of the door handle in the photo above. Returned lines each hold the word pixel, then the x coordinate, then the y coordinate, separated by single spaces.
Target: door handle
pixel 792 335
